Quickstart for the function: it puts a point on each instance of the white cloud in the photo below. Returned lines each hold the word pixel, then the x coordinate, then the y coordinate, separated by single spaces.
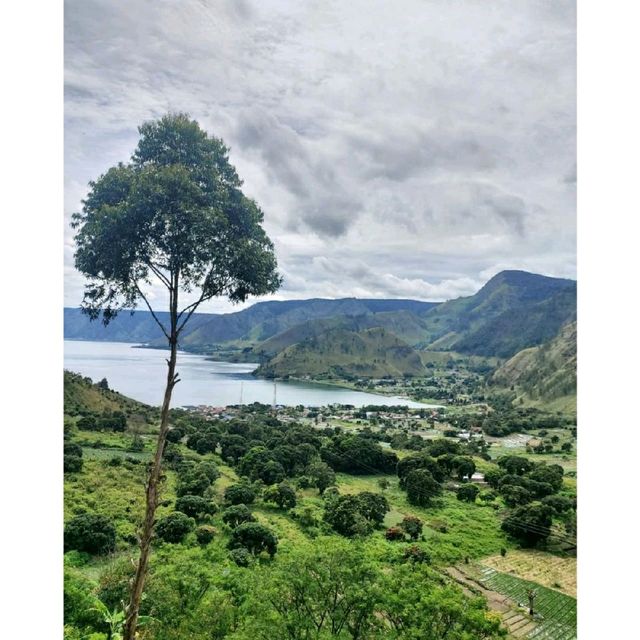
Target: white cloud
pixel 398 149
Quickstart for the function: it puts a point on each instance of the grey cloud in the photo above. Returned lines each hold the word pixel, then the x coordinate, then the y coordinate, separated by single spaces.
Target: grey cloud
pixel 413 150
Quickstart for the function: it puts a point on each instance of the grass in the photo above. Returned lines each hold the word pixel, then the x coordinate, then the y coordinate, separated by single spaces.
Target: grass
pixel 453 529
pixel 558 611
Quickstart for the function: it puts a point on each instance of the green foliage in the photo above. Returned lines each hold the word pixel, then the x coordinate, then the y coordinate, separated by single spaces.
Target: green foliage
pixel 72 464
pixel 530 523
pixel 175 207
pixel 195 507
pixel 254 537
pixel 174 527
pixel 412 526
pixel 422 488
pixel 90 532
pixel 237 514
pixel 239 494
pixel 353 515
pixel 467 492
pixel 205 534
pixel 282 495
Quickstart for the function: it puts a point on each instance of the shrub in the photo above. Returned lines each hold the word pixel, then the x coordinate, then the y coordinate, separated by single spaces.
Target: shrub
pixel 254 537
pixel 394 533
pixel 239 494
pixel 416 554
pixel 205 534
pixel 72 464
pixel 282 495
pixel 467 492
pixel 87 423
pixel 174 527
pixel 237 514
pixel 72 449
pixel 412 526
pixel 241 557
pixel 195 506
pixel 90 532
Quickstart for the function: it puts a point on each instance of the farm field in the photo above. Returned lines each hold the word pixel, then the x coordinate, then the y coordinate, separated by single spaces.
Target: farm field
pixel 557 611
pixel 552 571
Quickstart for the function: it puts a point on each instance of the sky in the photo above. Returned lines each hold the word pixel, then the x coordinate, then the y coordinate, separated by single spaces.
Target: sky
pixel 406 149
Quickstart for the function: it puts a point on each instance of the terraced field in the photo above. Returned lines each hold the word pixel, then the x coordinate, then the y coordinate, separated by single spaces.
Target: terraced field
pixel 557 611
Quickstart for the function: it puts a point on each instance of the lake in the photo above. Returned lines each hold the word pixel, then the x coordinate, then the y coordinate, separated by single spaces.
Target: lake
pixel 141 374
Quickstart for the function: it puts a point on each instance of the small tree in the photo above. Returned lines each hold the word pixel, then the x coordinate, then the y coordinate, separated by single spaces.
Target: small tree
pixel 239 494
pixel 254 537
pixel 282 494
pixel 205 534
pixel 236 515
pixel 467 492
pixel 421 487
pixel 412 526
pixel 174 215
pixel 195 507
pixel 174 527
pixel 90 532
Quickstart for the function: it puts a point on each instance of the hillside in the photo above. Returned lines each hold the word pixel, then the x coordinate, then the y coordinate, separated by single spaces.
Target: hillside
pixel 137 327
pixel 514 310
pixel 371 353
pixel 82 396
pixel 546 372
pixel 206 331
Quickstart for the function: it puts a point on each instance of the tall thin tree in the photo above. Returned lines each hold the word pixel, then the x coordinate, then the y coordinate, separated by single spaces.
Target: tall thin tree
pixel 174 216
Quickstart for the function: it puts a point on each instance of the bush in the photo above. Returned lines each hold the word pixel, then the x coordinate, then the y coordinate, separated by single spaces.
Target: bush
pixel 72 464
pixel 72 449
pixel 239 494
pixel 412 526
pixel 87 423
pixel 282 495
pixel 174 527
pixel 394 533
pixel 241 557
pixel 237 514
pixel 205 534
pixel 467 492
pixel 255 538
pixel 90 532
pixel 416 554
pixel 195 506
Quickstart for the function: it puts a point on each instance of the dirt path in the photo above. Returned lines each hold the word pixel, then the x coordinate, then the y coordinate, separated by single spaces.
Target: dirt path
pixel 515 619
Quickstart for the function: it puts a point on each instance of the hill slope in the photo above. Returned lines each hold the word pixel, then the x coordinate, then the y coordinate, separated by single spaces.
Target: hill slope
pixel 514 310
pixel 82 396
pixel 546 372
pixel 371 353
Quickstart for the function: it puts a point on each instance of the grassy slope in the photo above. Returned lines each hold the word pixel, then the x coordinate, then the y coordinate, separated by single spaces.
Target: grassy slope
pixel 544 373
pixel 369 353
pixel 81 395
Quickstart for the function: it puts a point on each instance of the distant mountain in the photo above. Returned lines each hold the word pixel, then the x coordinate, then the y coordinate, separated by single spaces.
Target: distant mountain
pixel 138 327
pixel 207 332
pixel 339 353
pixel 546 372
pixel 514 310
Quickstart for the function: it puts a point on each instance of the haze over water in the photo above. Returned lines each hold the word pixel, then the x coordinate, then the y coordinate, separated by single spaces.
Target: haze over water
pixel 141 374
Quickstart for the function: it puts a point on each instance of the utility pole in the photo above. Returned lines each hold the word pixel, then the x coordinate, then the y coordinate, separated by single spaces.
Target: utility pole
pixel 241 383
pixel 273 406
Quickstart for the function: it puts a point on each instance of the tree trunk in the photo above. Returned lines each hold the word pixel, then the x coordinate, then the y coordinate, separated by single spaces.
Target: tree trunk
pixel 153 487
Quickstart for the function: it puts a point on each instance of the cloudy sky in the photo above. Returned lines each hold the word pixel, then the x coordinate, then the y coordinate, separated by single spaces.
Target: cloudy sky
pixel 399 149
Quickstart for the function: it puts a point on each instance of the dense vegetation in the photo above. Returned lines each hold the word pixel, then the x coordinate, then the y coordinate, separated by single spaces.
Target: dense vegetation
pixel 264 520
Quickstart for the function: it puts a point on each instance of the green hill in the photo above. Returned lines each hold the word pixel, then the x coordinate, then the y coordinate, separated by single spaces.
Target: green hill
pixel 82 396
pixel 514 310
pixel 339 353
pixel 546 372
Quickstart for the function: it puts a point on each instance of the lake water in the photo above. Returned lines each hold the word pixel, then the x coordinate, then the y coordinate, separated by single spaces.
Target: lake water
pixel 141 374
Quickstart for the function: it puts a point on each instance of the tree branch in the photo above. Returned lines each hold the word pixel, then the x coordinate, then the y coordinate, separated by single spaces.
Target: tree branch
pixel 160 275
pixel 152 312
